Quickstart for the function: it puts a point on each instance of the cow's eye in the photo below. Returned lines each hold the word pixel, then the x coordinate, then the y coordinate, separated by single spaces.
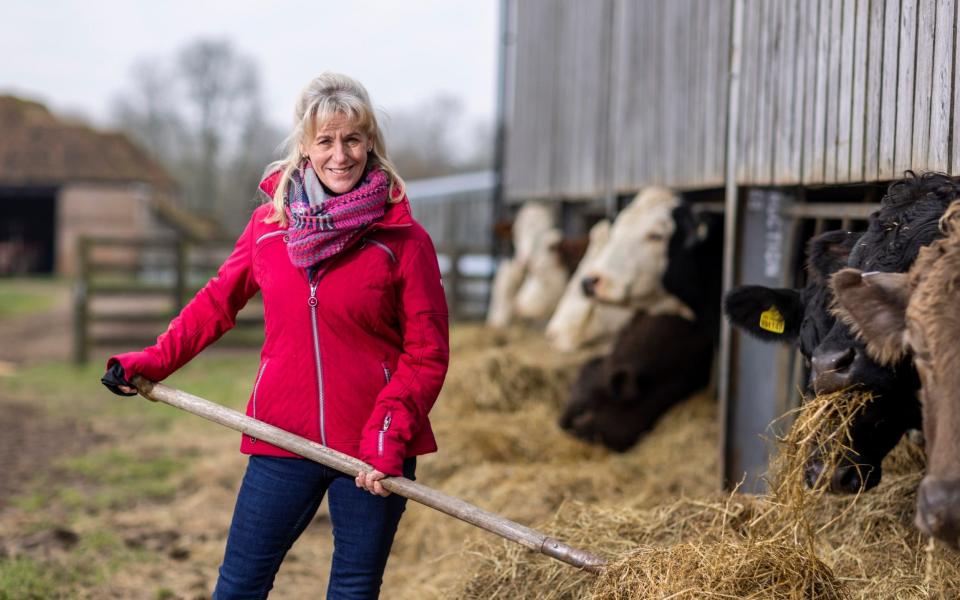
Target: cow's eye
pixel 655 237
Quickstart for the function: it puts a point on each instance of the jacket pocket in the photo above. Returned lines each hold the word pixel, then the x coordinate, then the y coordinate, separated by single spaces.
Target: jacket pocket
pixel 256 389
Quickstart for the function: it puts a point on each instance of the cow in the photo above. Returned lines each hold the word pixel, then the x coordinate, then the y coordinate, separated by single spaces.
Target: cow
pixel 657 359
pixel 578 320
pixel 906 221
pixel 917 314
pixel 529 285
pixel 533 231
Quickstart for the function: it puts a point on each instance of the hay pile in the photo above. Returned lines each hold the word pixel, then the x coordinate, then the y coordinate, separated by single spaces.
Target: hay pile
pixel 791 543
pixel 652 512
pixel 511 457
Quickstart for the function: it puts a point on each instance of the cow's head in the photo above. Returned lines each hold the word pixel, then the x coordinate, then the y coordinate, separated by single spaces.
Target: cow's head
pixel 802 317
pixel 628 270
pixel 579 320
pixel 617 398
pixel 917 315
pixel 694 263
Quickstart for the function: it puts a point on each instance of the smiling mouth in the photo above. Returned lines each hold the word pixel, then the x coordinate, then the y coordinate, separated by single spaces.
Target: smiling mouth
pixel 343 171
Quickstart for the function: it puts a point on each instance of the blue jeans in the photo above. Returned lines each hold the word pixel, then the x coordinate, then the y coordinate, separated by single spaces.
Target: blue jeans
pixel 278 498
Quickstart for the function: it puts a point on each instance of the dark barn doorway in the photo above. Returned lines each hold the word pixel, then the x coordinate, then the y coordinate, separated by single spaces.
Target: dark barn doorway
pixel 27 230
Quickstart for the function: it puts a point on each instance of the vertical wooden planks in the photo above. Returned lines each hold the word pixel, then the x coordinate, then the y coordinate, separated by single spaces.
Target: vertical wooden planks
pixel 707 142
pixel 766 83
pixel 785 126
pixel 815 145
pixel 954 145
pixel 876 45
pixel 858 104
pixel 749 78
pixel 833 90
pixel 903 145
pixel 845 92
pixel 721 58
pixel 926 37
pixel 938 150
pixel 888 91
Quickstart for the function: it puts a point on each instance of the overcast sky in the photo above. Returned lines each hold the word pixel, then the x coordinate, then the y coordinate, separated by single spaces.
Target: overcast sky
pixel 77 56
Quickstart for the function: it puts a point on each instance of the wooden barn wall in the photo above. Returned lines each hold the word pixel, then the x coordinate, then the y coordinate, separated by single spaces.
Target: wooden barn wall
pixel 669 90
pixel 611 95
pixel 841 91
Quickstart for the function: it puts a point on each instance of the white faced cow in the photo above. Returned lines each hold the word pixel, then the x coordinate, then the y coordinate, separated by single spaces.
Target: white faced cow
pixel 628 271
pixel 530 284
pixel 578 320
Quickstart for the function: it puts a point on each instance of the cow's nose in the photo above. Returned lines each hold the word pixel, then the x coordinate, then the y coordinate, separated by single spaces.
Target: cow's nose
pixel 589 285
pixel 831 370
pixel 851 479
pixel 938 509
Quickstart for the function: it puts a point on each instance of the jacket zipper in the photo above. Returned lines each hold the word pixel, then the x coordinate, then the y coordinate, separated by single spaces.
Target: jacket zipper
pixel 312 302
pixel 383 432
pixel 386 372
pixel 256 386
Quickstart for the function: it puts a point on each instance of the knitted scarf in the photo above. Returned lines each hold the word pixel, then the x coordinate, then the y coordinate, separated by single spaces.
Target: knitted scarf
pixel 321 227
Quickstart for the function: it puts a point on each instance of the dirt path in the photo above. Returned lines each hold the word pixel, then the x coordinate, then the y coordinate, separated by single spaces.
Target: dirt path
pixel 31 440
pixel 42 335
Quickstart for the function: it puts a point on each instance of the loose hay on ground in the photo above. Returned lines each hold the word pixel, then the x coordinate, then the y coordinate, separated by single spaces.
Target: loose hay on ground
pixel 790 543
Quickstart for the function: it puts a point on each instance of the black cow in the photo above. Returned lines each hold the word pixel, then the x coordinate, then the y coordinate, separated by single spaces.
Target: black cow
pixel 657 360
pixel 907 220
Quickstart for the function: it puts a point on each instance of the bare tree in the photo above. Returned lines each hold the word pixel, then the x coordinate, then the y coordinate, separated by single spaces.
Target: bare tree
pixel 148 111
pixel 223 90
pixel 200 114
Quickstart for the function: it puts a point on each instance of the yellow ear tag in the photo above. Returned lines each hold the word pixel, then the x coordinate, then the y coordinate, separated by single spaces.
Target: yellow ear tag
pixel 772 320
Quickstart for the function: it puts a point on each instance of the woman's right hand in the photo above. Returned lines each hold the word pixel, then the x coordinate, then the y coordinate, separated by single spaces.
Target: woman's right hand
pixel 116 381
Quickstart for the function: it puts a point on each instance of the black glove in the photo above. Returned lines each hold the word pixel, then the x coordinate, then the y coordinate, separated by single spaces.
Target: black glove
pixel 114 378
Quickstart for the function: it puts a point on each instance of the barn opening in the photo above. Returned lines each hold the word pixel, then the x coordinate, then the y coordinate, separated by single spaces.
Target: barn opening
pixel 27 230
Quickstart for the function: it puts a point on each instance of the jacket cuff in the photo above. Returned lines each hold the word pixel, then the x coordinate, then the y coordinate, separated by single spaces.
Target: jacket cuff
pixel 138 363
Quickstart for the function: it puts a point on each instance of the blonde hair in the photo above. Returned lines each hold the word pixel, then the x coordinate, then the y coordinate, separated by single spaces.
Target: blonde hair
pixel 326 96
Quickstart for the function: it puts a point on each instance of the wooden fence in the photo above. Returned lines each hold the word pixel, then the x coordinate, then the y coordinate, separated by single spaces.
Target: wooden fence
pixel 128 290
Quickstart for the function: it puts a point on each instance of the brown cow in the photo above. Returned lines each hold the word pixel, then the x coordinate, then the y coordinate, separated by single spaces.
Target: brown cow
pixel 918 313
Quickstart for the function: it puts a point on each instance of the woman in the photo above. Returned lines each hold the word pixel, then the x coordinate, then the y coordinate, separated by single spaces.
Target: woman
pixel 356 344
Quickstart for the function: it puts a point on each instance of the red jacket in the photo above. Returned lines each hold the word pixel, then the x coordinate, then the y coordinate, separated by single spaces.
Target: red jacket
pixel 353 359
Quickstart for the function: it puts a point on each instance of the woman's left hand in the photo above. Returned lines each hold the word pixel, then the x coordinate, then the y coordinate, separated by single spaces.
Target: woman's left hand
pixel 370 481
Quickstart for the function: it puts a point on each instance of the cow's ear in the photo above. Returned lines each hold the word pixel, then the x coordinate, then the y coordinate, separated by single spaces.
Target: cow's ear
pixel 828 253
pixel 874 305
pixel 770 314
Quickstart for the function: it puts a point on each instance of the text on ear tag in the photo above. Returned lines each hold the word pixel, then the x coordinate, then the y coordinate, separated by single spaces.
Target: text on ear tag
pixel 772 320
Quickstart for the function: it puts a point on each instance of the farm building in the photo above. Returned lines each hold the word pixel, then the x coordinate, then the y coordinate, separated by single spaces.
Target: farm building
pixel 795 114
pixel 60 180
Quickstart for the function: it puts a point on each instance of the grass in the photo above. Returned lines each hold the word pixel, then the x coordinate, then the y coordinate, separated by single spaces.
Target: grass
pixel 136 465
pixel 26 579
pixel 23 296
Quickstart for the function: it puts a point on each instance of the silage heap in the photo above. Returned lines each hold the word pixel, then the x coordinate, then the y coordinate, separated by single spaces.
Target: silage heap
pixel 651 512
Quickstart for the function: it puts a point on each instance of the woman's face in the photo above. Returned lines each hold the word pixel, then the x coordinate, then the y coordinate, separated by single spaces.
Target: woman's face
pixel 338 153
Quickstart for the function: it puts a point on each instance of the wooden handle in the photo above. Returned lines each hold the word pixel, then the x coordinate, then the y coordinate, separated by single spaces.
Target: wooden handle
pixel 417 492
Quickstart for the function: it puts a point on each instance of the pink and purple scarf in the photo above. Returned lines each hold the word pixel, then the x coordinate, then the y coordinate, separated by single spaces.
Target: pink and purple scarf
pixel 321 227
